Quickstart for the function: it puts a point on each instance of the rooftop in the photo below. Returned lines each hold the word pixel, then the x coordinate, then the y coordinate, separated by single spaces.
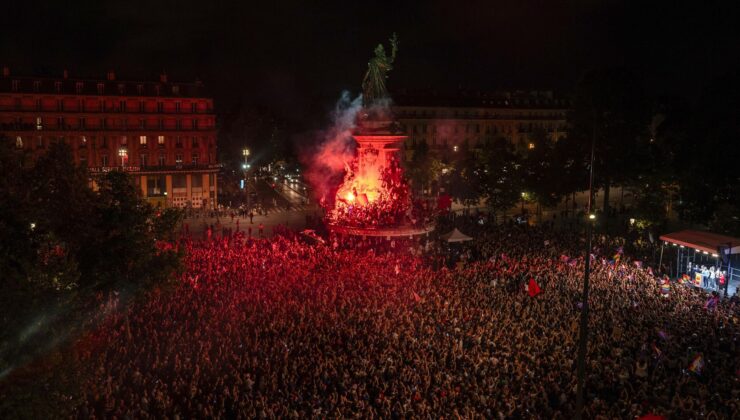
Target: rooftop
pixel 109 86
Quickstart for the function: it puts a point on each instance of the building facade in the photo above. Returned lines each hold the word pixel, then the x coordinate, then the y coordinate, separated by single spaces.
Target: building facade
pixel 162 133
pixel 467 120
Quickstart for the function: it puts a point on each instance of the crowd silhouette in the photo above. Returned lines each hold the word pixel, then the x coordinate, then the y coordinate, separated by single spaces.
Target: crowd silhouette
pixel 282 328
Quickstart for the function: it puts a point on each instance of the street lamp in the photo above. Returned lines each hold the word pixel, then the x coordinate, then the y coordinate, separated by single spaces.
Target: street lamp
pixel 245 168
pixel 524 196
pixel 583 330
pixel 123 153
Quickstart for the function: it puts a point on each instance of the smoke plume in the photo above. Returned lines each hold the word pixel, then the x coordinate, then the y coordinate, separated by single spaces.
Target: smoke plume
pixel 325 163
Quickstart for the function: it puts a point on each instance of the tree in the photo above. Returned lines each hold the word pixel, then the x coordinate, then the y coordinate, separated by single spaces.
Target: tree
pixel 502 176
pixel 541 170
pixel 423 169
pixel 465 179
pixel 706 158
pixel 610 109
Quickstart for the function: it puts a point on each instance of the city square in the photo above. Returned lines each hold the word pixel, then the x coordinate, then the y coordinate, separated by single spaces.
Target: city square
pixel 483 210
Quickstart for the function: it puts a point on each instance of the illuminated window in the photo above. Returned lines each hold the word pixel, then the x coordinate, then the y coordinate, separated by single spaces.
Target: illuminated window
pixel 19 142
pixel 39 124
pixel 83 142
pixel 160 140
pixel 142 141
pixel 178 158
pixel 531 146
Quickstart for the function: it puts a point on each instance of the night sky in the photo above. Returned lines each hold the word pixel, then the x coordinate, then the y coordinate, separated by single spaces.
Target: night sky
pixel 294 58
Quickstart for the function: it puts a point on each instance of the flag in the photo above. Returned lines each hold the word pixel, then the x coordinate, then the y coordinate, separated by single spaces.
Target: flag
pixel 534 288
pixel 650 271
pixel 711 302
pixel 656 350
pixel 417 298
pixel 564 258
pixel 697 280
pixel 638 264
pixel 665 288
pixel 697 364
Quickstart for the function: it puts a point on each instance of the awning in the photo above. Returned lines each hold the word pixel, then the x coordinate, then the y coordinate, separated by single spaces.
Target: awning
pixel 456 236
pixel 707 242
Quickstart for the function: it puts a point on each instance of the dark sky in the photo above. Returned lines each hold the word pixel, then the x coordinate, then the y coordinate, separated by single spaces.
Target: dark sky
pixel 294 57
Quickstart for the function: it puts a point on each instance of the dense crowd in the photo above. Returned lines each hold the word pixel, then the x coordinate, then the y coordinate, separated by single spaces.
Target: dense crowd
pixel 286 329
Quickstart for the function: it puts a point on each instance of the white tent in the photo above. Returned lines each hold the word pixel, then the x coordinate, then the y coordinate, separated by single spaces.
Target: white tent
pixel 456 236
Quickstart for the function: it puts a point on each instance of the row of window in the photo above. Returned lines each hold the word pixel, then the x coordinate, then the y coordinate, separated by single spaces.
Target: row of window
pixel 445 113
pixel 124 159
pixel 82 123
pixel 489 129
pixel 8 103
pixel 479 141
pixel 100 88
pixel 157 185
pixel 143 141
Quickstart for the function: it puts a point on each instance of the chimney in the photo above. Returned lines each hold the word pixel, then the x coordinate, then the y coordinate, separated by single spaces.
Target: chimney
pixel 6 71
pixel 163 77
pixel 111 75
pixel 66 74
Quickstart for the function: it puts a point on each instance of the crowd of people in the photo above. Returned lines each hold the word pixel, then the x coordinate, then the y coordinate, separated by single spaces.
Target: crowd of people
pixel 282 328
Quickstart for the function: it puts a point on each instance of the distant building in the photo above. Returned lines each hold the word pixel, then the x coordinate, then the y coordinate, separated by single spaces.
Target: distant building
pixel 162 133
pixel 447 122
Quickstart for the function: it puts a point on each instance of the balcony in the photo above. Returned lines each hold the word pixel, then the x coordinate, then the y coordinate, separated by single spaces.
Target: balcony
pixel 190 167
pixel 69 128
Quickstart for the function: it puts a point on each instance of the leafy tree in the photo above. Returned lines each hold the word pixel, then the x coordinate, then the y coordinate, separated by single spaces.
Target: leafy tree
pixel 707 156
pixel 465 179
pixel 610 109
pixel 541 171
pixel 502 176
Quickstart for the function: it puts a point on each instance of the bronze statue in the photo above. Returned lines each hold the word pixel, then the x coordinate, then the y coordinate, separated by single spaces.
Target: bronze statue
pixel 373 85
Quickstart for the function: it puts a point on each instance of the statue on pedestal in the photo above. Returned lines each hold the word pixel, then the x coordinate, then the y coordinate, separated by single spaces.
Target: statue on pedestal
pixel 373 85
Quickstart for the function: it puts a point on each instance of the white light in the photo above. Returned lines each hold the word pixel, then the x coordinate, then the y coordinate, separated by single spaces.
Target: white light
pixel 244 166
pixel 705 252
pixel 592 216
pixel 33 226
pixel 715 255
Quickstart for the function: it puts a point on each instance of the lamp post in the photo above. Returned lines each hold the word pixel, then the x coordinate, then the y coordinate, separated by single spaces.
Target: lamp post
pixel 245 168
pixel 122 153
pixel 524 195
pixel 583 338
